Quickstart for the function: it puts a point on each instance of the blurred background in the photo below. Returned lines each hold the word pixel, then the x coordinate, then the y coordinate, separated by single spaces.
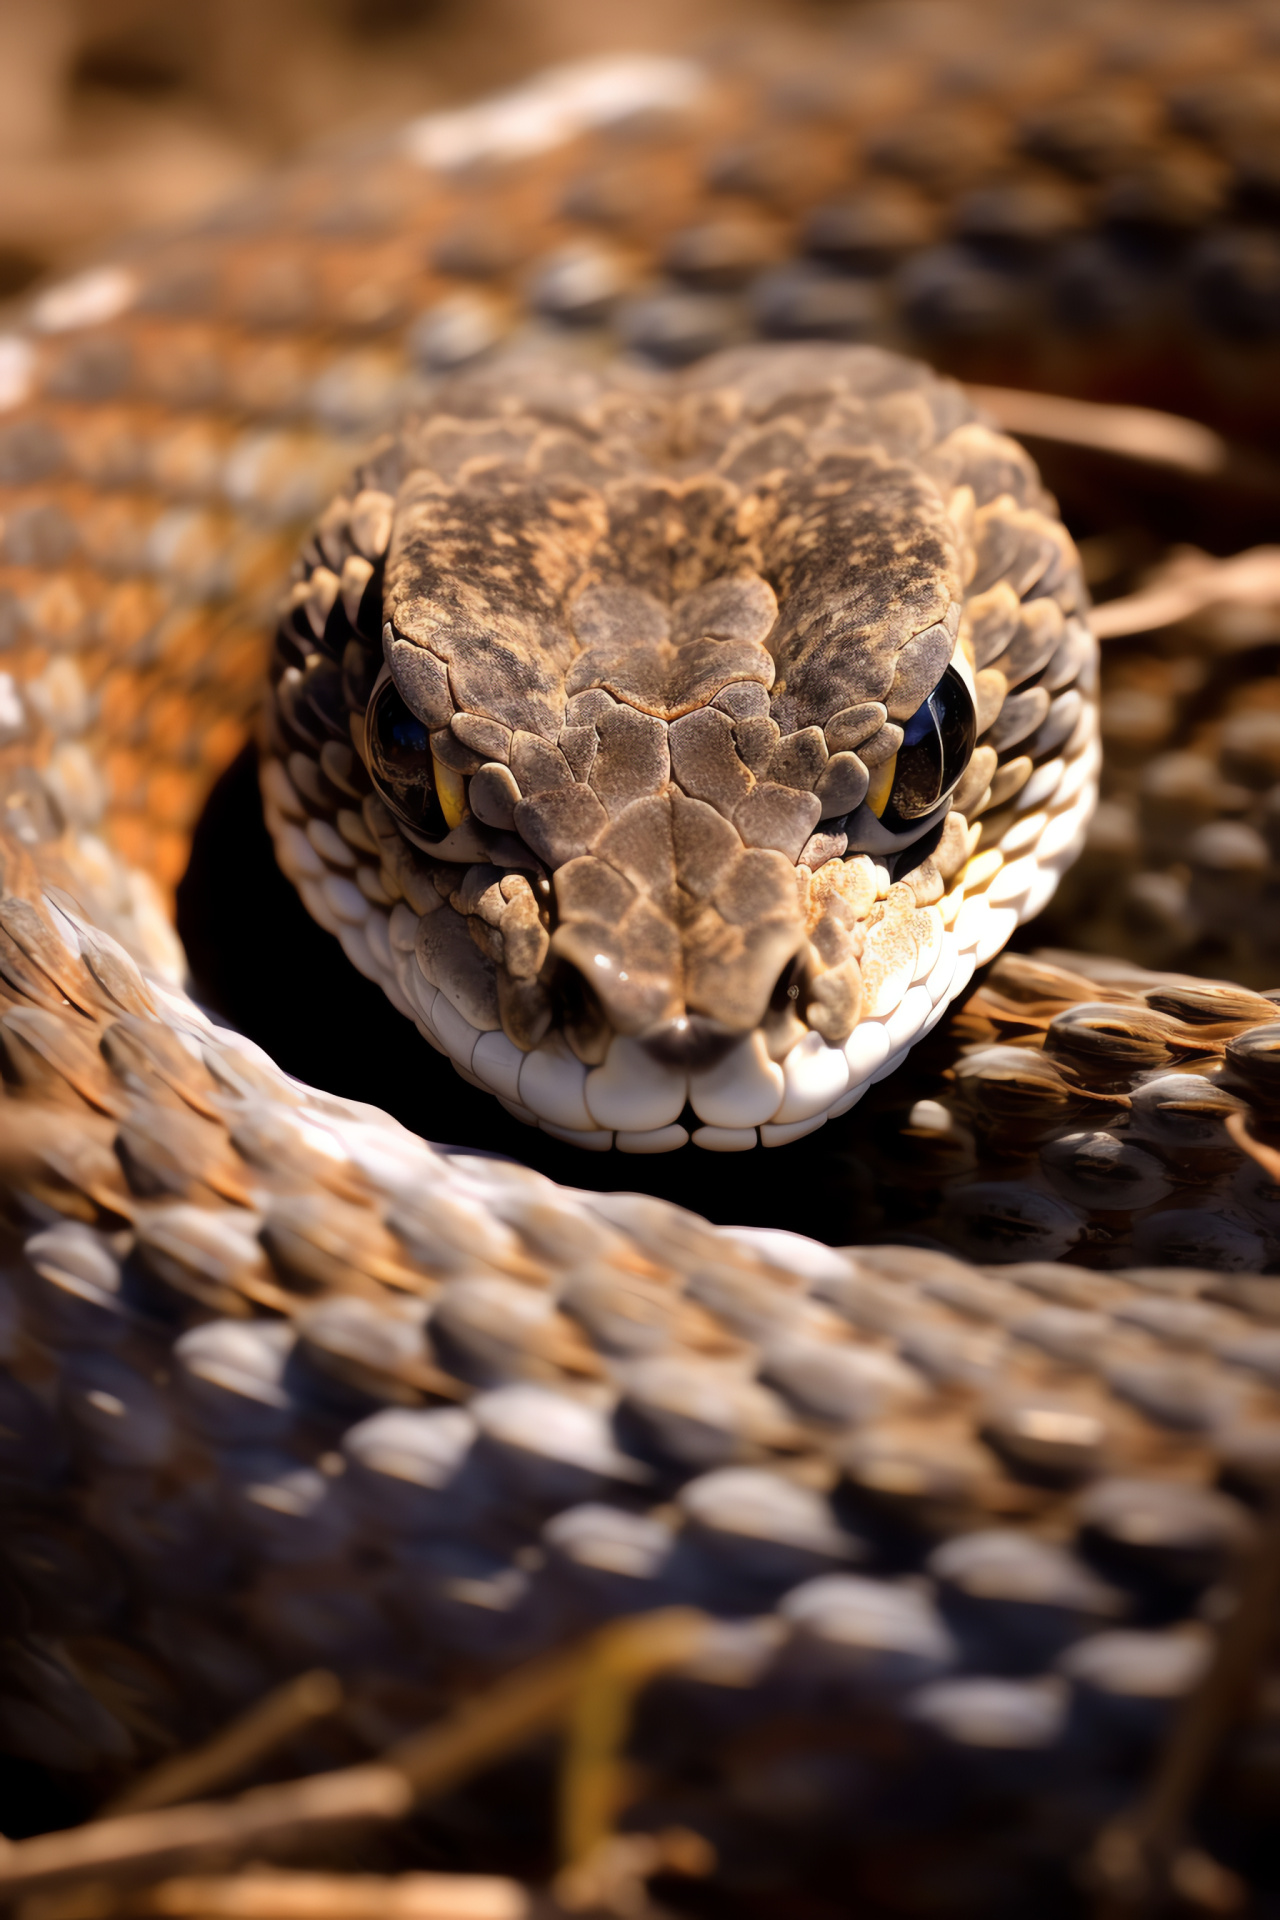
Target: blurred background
pixel 115 113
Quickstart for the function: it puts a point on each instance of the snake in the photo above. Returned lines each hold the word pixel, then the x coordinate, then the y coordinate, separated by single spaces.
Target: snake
pixel 669 691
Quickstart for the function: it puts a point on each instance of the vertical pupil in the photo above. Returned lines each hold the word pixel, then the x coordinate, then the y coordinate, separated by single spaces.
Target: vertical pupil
pixel 937 744
pixel 400 763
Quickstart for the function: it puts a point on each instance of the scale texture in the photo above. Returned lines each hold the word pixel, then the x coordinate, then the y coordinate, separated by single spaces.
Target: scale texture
pixel 660 541
pixel 663 635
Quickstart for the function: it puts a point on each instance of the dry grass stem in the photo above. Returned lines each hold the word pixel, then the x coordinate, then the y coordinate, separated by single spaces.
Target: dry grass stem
pixel 1139 433
pixel 1187 585
pixel 533 1700
pixel 236 1749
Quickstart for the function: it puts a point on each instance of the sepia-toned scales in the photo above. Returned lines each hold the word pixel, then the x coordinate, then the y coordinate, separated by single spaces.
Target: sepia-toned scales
pixel 286 1385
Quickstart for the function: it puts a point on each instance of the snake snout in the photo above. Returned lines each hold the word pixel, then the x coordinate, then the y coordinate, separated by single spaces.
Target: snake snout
pixel 694 1041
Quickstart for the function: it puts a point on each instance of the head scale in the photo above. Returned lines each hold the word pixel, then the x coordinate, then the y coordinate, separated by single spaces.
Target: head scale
pixel 698 733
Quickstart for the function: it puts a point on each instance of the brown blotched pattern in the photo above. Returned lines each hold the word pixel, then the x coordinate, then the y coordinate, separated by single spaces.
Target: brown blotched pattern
pixel 284 1386
pixel 281 1385
pixel 661 633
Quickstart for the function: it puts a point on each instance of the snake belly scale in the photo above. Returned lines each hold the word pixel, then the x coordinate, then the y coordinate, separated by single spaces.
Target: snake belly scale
pixel 669 721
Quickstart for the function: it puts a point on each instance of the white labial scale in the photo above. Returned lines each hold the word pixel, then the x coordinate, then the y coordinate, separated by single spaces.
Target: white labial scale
pixel 594 1140
pixel 907 1018
pixel 297 855
pixel 1000 923
pixel 406 967
pixel 428 1035
pixel 1069 855
pixel 866 1049
pixel 776 1136
pixel 1041 787
pixel 316 905
pixel 397 996
pixel 1064 826
pixel 1024 833
pixel 553 1082
pixel 656 1140
pixel 377 934
pixel 944 967
pixel 725 1139
pixel 890 1066
pixel 278 792
pixel 356 948
pixel 457 1034
pixel 1078 773
pixel 933 1019
pixel 850 1100
pixel 401 1001
pixel 330 845
pixel 632 1090
pixel 1081 813
pixel 743 1089
pixel 403 928
pixel 346 900
pixel 498 1062
pixel 519 1112
pixel 814 1075
pixel 981 871
pixel 960 976
pixel 971 921
pixel 966 966
pixel 1013 881
pixel 1042 891
pixel 424 996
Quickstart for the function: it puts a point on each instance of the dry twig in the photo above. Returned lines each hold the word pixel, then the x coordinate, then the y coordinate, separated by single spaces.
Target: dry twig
pixel 534 1699
pixel 237 1749
pixel 1139 433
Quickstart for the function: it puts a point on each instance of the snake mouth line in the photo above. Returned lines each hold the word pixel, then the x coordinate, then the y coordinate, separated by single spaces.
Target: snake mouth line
pixel 637 1104
pixel 653 792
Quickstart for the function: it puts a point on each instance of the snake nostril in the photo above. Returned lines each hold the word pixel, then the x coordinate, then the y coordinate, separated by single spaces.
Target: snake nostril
pixel 691 1040
pixel 580 1013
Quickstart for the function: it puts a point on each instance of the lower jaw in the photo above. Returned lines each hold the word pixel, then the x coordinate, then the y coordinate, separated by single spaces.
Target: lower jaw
pixel 637 1105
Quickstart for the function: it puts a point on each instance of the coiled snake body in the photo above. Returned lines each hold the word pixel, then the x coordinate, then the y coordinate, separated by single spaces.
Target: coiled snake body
pixel 669 722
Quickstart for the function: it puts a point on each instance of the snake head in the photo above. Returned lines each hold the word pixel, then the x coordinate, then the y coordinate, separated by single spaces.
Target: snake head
pixel 693 721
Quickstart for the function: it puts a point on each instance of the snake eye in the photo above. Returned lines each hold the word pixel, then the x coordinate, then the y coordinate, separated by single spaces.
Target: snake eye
pixel 401 764
pixel 937 745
